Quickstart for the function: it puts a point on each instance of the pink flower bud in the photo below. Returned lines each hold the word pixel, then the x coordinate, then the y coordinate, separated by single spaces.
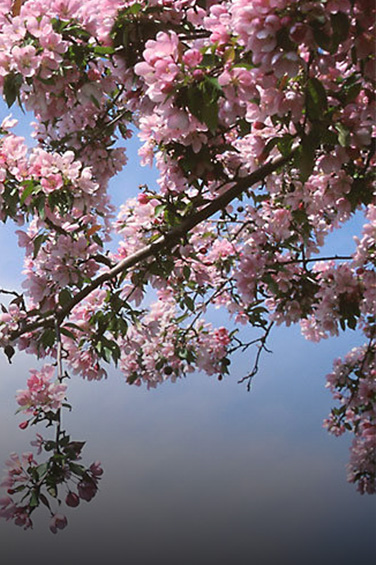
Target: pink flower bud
pixel 192 57
pixel 143 198
pixel 87 489
pixel 58 522
pixel 72 499
pixel 96 468
pixel 198 74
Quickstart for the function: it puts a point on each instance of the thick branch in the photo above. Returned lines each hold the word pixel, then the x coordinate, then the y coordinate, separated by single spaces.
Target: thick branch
pixel 164 242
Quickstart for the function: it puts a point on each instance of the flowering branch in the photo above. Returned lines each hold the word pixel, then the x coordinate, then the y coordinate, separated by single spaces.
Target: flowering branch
pixel 163 243
pixel 260 348
pixel 34 482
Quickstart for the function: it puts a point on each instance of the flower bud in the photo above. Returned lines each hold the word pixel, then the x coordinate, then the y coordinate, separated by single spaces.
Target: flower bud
pixel 72 499
pixel 58 522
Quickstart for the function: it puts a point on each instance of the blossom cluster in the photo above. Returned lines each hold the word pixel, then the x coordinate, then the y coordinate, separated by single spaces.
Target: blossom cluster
pixel 17 476
pixel 353 384
pixel 42 393
pixel 25 481
pixel 157 349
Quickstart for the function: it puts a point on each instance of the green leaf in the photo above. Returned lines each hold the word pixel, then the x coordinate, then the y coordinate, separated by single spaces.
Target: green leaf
pixel 78 53
pixel 316 100
pixel 74 448
pixel 284 40
pixel 97 240
pixel 102 50
pixel 329 137
pixel 186 272
pixel 305 160
pixel 209 60
pixel 11 88
pixel 322 39
pixel 19 488
pixel 272 284
pixel 34 499
pixel 75 30
pixel 132 378
pixel 352 92
pixel 360 193
pixel 343 134
pixel 351 322
pixel 178 320
pixel 47 81
pixel 30 188
pixel 95 101
pixel 65 440
pixel 41 470
pixel 44 500
pixel 52 490
pixel 72 325
pixel 48 338
pixel 284 145
pixel 122 326
pixel 77 469
pixel 188 355
pixel 209 115
pixel 39 205
pixel 244 127
pixel 115 352
pixel 68 333
pixel 202 100
pixel 159 209
pixel 213 87
pixel 190 304
pixel 134 9
pixel 64 297
pixel 49 445
pixel 341 27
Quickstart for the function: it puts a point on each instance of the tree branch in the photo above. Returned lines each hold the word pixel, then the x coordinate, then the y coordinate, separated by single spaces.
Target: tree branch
pixel 164 242
pixel 261 347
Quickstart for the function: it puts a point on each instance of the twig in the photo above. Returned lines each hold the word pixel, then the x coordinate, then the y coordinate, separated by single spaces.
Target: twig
pixel 316 260
pixel 59 364
pixel 262 347
pixel 12 292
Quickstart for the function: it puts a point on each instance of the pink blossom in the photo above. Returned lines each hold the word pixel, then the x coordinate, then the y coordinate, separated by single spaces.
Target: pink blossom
pixel 41 392
pixel 72 499
pixel 192 57
pixel 25 60
pixel 58 522
pixel 38 442
pixel 87 489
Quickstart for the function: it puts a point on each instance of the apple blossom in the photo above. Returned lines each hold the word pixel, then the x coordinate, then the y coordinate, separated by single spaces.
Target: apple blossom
pixel 58 522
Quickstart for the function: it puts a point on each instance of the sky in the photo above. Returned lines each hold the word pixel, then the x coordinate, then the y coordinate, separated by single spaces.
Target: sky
pixel 200 471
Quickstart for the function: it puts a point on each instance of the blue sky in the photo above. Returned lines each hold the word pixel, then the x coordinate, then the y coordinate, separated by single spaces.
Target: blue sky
pixel 201 471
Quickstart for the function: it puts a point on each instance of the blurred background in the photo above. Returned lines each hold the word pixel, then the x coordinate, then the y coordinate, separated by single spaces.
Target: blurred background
pixel 200 471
